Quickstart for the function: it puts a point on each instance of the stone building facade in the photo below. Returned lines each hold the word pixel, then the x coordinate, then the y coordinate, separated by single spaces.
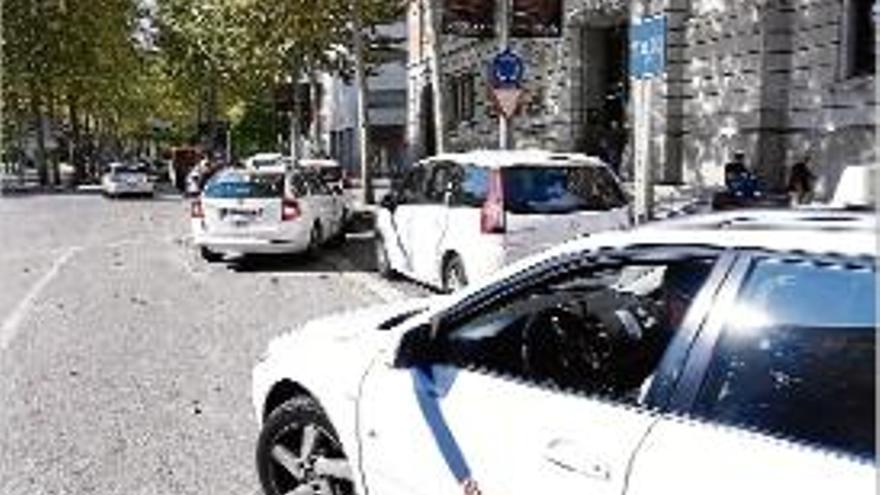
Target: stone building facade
pixel 776 79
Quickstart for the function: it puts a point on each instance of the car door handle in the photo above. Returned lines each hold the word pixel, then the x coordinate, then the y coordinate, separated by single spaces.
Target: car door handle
pixel 567 455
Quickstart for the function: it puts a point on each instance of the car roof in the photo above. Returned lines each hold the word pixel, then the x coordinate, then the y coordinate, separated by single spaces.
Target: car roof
pixel 264 156
pixel 808 231
pixel 509 158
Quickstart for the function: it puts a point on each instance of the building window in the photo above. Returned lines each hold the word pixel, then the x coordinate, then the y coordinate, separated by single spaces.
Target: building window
pixel 462 99
pixel 860 56
pixel 387 98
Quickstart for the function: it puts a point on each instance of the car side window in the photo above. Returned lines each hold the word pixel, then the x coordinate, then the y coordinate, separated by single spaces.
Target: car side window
pixel 796 359
pixel 412 187
pixel 600 331
pixel 470 185
pixel 298 186
pixel 438 183
pixel 316 185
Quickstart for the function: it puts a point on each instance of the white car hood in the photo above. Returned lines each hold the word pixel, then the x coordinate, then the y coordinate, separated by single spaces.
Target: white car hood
pixel 329 356
pixel 344 328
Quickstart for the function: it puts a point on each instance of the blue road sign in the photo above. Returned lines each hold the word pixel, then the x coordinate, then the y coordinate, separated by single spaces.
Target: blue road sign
pixel 647 47
pixel 508 70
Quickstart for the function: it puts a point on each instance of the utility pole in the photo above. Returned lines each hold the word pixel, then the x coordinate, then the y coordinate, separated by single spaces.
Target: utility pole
pixel 363 123
pixel 435 51
pixel 505 138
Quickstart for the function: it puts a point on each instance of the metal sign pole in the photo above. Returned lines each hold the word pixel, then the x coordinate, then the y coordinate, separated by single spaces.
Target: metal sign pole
pixel 505 138
pixel 642 151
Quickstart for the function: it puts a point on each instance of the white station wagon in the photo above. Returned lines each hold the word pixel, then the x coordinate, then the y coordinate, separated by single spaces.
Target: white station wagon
pixel 458 218
pixel 265 211
pixel 726 354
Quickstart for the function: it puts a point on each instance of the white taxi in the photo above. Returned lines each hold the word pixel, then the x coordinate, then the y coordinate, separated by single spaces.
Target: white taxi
pixel 728 353
pixel 127 180
pixel 265 211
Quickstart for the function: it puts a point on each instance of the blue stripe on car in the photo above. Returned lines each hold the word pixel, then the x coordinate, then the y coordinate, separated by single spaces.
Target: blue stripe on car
pixel 443 437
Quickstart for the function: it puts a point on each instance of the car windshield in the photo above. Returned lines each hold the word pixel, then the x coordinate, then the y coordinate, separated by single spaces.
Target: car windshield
pixel 547 190
pixel 241 186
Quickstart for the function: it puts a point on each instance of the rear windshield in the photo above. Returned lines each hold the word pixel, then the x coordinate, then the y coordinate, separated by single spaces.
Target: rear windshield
pixel 547 190
pixel 235 186
pixel 264 163
pixel 129 169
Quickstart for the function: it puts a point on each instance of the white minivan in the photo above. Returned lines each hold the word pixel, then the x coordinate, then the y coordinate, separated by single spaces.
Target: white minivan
pixel 456 218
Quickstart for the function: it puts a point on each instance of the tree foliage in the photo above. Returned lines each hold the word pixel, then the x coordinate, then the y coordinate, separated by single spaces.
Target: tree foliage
pixel 118 65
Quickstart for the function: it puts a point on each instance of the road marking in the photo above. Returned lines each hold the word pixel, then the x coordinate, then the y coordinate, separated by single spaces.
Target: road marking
pixel 12 322
pixel 379 288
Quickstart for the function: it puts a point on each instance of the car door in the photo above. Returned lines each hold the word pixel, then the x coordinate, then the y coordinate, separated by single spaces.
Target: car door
pixel 516 392
pixel 779 396
pixel 403 217
pixel 429 228
pixel 325 205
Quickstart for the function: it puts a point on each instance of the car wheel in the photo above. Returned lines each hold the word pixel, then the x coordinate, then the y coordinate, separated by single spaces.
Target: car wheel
pixel 383 264
pixel 338 239
pixel 315 237
pixel 210 256
pixel 453 276
pixel 299 452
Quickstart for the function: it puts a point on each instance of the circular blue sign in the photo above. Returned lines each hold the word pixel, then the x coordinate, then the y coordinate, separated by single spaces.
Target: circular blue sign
pixel 508 69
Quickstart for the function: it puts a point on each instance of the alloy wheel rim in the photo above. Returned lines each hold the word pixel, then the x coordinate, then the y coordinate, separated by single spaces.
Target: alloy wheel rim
pixel 306 460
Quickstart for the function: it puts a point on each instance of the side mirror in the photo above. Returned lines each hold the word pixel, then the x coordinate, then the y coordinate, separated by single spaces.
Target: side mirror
pixel 389 202
pixel 416 347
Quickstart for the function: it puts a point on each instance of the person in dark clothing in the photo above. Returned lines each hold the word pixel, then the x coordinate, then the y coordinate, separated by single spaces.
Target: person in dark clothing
pixel 800 182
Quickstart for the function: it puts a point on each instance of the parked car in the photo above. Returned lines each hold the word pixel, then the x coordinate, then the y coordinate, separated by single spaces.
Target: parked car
pixel 733 351
pixel 258 211
pixel 263 160
pixel 330 171
pixel 123 179
pixel 460 217
pixel 857 187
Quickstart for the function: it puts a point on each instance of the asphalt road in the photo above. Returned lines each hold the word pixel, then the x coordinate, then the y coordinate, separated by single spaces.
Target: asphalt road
pixel 125 359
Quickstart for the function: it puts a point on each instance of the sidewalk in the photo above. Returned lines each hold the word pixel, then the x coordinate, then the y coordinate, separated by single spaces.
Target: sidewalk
pixel 675 200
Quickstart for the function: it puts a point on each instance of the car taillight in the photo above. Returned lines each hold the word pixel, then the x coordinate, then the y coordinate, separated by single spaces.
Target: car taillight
pixel 289 209
pixel 196 210
pixel 492 219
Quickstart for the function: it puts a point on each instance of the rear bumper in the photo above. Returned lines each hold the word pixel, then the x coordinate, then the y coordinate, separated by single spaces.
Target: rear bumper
pixel 250 245
pixel 117 189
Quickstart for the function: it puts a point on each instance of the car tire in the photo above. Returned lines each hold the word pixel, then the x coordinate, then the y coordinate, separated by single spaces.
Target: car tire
pixel 210 256
pixel 453 275
pixel 315 238
pixel 338 239
pixel 282 464
pixel 383 263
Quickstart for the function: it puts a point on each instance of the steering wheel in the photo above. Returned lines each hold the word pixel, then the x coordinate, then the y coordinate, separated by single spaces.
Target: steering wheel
pixel 566 347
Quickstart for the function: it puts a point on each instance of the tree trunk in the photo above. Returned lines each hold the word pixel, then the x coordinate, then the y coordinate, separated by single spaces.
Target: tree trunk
pixel 435 51
pixel 295 133
pixel 75 145
pixel 363 122
pixel 56 168
pixel 37 114
pixel 317 131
